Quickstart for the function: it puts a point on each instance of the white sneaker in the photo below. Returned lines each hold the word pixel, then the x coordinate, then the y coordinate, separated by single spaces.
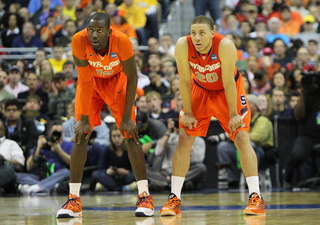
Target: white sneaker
pixel 98 187
pixel 68 221
pixel 144 205
pixel 24 189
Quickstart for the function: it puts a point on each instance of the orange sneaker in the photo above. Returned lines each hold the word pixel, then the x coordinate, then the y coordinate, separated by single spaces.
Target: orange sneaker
pixel 172 208
pixel 145 205
pixel 256 205
pixel 72 208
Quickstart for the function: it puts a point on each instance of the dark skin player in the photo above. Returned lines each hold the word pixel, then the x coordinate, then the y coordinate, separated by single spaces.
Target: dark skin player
pixel 99 34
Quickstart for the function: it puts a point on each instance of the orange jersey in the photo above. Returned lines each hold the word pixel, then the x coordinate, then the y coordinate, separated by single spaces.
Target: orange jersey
pixel 104 80
pixel 119 49
pixel 206 70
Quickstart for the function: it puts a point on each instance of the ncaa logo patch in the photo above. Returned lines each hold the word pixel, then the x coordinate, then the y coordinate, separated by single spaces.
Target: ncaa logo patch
pixel 113 55
pixel 213 57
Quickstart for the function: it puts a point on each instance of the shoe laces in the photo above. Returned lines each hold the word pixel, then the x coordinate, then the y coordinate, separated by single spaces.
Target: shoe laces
pixel 253 199
pixel 143 199
pixel 173 202
pixel 71 202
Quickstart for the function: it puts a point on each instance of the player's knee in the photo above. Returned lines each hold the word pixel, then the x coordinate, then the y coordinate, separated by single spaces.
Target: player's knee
pixel 185 138
pixel 241 140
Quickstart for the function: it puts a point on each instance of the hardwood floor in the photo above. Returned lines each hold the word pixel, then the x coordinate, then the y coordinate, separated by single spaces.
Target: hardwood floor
pixel 197 208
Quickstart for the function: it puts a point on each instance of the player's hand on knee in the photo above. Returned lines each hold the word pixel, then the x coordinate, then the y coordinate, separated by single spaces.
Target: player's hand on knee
pixel 81 128
pixel 188 121
pixel 131 129
pixel 235 123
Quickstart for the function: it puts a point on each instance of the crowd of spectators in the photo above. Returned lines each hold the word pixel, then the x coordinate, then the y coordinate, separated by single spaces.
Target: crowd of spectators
pixel 276 42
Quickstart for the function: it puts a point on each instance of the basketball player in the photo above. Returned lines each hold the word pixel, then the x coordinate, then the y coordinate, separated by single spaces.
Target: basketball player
pixel 107 73
pixel 211 85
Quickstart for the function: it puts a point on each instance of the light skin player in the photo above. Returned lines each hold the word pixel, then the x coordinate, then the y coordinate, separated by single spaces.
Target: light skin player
pixel 210 85
pixel 107 73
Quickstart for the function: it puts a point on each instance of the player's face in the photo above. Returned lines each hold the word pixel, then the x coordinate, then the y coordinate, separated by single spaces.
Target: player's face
pixel 201 36
pixel 98 34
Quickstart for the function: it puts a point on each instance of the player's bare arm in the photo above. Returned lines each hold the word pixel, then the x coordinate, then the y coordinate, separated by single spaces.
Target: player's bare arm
pixel 181 56
pixel 83 125
pixel 127 124
pixel 228 57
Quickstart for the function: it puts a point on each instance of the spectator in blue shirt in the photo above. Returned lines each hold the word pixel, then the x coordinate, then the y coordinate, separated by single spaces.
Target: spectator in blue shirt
pixel 27 38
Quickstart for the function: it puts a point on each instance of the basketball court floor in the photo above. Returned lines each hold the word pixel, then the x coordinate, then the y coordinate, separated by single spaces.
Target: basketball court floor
pixel 197 209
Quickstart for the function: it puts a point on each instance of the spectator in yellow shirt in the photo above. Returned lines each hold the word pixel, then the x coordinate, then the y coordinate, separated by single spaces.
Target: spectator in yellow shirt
pixel 70 9
pixel 136 17
pixel 150 9
pixel 57 61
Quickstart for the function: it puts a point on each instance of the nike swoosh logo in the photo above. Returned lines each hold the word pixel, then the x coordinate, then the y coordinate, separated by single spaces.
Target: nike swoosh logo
pixel 119 91
pixel 92 54
pixel 194 57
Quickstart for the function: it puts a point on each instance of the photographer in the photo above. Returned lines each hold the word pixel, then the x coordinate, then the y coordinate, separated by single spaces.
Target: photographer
pixel 19 128
pixel 307 112
pixel 47 163
pixel 150 132
pixel 159 173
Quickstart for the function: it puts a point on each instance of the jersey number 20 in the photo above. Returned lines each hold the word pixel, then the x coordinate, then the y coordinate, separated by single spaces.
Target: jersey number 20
pixel 209 77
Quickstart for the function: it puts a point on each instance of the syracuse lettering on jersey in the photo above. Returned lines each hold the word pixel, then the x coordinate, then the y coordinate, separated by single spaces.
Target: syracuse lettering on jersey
pixel 99 65
pixel 108 65
pixel 206 68
pixel 206 71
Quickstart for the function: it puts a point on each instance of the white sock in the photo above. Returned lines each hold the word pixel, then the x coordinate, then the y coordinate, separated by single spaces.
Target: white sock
pixel 176 185
pixel 142 186
pixel 253 184
pixel 75 188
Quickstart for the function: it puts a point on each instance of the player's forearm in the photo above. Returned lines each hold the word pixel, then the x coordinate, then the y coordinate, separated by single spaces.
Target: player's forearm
pixel 231 95
pixel 85 88
pixel 130 96
pixel 84 118
pixel 185 90
pixel 86 92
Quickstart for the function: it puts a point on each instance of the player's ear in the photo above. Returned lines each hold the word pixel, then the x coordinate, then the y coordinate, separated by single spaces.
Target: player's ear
pixel 213 33
pixel 109 32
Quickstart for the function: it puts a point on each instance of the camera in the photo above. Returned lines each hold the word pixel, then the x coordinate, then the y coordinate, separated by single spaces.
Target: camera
pixel 41 160
pixel 56 135
pixel 311 81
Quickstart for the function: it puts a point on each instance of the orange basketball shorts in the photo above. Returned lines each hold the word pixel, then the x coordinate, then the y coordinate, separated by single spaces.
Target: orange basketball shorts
pixel 208 103
pixel 111 91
